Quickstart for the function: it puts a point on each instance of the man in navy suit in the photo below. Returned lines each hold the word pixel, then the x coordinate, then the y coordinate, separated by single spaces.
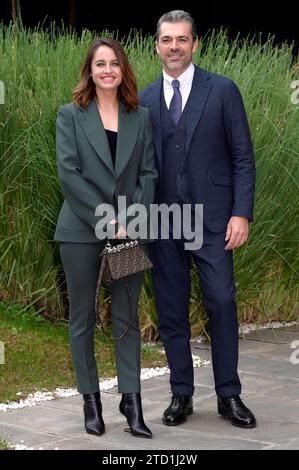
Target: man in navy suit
pixel 204 155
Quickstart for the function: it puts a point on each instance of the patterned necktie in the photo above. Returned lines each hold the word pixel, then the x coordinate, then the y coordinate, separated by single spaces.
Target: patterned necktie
pixel 175 107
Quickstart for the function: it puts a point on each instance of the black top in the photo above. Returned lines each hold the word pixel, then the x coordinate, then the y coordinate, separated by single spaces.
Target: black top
pixel 112 139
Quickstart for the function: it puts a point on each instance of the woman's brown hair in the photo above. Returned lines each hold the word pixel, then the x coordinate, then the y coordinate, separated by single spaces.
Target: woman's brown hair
pixel 84 92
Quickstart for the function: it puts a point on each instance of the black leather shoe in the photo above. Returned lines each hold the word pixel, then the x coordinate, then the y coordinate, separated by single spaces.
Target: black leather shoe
pixel 130 406
pixel 180 407
pixel 234 409
pixel 92 408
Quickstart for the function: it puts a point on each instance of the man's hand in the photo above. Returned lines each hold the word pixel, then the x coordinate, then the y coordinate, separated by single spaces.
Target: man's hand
pixel 237 232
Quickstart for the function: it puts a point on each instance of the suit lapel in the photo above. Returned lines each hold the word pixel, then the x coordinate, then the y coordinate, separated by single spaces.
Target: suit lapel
pixel 155 111
pixel 92 126
pixel 128 126
pixel 200 90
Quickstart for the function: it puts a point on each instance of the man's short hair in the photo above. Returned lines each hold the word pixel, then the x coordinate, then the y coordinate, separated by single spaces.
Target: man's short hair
pixel 177 16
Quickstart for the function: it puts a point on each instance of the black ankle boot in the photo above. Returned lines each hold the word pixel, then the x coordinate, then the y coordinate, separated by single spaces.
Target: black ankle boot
pixel 92 408
pixel 130 407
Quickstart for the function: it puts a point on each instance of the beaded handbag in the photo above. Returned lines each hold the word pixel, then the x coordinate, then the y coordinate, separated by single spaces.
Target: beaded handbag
pixel 120 261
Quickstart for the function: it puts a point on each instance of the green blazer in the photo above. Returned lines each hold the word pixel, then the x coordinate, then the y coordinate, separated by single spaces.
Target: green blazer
pixel 86 170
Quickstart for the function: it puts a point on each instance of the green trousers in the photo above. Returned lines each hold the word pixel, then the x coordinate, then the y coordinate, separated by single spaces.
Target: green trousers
pixel 81 265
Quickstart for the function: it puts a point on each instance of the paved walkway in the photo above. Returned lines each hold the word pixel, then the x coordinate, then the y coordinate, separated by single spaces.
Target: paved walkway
pixel 270 388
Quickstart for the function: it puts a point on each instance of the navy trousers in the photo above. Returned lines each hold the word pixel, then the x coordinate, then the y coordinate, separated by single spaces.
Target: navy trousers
pixel 171 276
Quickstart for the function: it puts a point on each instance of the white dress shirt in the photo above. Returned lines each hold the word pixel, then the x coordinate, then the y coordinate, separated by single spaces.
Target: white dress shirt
pixel 185 85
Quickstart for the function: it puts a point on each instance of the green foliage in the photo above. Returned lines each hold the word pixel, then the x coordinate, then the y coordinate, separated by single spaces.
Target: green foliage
pixel 39 70
pixel 4 444
pixel 37 355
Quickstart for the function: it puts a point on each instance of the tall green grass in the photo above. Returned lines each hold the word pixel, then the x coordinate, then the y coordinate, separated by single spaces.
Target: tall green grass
pixel 39 70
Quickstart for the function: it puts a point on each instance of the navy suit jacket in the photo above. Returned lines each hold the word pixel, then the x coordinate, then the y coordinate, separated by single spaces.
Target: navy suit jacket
pixel 220 159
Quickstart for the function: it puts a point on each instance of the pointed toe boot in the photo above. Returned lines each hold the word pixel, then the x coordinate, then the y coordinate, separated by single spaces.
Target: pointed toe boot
pixel 93 419
pixel 130 406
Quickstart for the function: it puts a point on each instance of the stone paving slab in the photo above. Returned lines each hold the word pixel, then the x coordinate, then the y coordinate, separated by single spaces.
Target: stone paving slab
pixel 68 404
pixel 250 348
pixel 273 335
pixel 279 351
pixel 270 367
pixel 31 437
pixel 84 444
pixel 42 419
pixel 293 444
pixel 286 411
pixel 270 387
pixel 280 392
pixel 268 431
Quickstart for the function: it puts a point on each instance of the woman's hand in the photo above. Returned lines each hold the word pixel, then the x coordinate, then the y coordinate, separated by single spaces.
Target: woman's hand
pixel 121 232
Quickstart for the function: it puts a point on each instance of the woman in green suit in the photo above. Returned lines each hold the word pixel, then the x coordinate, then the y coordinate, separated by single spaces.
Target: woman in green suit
pixel 104 150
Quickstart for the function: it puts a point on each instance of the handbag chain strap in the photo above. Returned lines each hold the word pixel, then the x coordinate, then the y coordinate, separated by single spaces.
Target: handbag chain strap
pixel 130 312
pixel 100 323
pixel 97 313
